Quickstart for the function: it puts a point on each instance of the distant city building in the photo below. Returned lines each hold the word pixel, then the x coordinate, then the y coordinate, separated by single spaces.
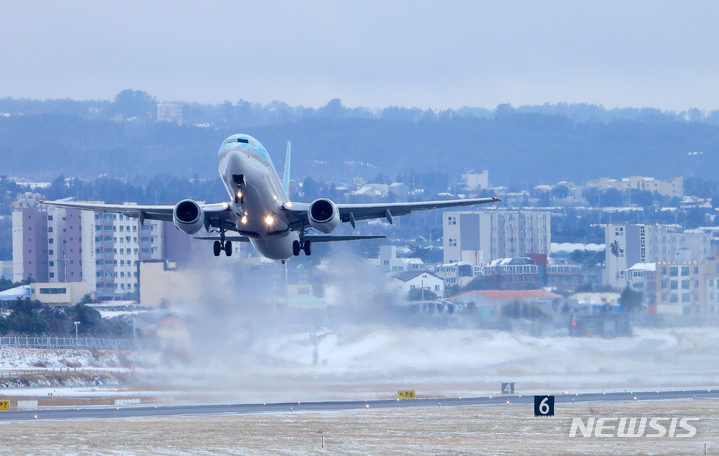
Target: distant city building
pixel 163 285
pixel 459 274
pixel 564 275
pixel 117 246
pixel 642 277
pixel 373 190
pixel 169 112
pixel 58 293
pixel 29 241
pixel 399 189
pixel 6 270
pixel 649 244
pixel 58 245
pixel 669 187
pixel 472 181
pixel 513 273
pixel 482 236
pixel 423 280
pixel 388 261
pixel 687 288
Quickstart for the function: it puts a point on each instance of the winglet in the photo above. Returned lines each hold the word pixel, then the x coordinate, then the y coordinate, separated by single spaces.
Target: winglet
pixel 286 176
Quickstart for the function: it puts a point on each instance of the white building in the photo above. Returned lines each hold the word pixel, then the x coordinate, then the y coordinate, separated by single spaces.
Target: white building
pixel 459 274
pixel 423 280
pixel 373 190
pixel 388 261
pixel 642 277
pixel 169 112
pixel 472 181
pixel 120 245
pixel 478 237
pixel 649 244
pixel 687 288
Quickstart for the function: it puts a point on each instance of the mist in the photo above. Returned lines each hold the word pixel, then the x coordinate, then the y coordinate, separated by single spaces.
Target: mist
pixel 365 344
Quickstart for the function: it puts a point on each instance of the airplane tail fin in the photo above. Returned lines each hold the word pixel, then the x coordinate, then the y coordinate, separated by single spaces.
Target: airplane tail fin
pixel 286 176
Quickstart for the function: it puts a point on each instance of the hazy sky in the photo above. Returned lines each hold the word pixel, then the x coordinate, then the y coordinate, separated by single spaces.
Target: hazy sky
pixel 445 54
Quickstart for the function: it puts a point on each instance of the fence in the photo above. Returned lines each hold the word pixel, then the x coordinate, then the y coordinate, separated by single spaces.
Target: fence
pixel 71 342
pixel 16 373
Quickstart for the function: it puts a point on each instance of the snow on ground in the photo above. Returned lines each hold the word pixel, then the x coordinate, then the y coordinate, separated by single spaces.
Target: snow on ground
pixel 569 247
pixel 26 358
pixel 374 361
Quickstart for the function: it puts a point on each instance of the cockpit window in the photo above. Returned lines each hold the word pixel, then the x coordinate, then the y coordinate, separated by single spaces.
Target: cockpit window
pixel 241 141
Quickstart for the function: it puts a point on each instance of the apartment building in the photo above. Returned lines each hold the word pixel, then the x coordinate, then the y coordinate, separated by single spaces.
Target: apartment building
pixel 478 237
pixel 59 245
pixel 648 243
pixel 669 187
pixel 687 288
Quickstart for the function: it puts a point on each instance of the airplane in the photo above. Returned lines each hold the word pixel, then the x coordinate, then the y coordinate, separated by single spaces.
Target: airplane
pixel 259 209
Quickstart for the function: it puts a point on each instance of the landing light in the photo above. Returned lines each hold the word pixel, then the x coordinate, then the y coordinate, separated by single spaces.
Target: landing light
pixel 269 220
pixel 288 204
pixel 244 219
pixel 239 193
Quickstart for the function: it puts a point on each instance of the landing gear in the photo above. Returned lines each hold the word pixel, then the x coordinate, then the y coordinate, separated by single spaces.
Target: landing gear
pixel 299 246
pixel 222 244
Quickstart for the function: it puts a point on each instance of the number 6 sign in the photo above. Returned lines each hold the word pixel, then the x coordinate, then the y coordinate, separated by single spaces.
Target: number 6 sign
pixel 543 405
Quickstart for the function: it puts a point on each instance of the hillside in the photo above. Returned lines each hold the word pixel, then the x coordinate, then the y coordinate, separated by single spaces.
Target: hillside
pixel 517 147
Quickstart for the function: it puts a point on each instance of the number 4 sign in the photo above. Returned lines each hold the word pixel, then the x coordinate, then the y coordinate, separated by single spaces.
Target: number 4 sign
pixel 543 405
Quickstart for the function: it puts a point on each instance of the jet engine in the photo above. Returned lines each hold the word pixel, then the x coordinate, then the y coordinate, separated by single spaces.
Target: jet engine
pixel 188 216
pixel 324 215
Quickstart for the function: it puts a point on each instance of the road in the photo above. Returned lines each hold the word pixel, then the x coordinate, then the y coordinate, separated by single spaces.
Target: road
pixel 104 412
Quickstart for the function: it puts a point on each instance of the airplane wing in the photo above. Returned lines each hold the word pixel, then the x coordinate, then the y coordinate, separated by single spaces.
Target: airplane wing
pixel 389 210
pixel 308 237
pixel 218 211
pixel 227 238
pixel 353 212
pixel 321 238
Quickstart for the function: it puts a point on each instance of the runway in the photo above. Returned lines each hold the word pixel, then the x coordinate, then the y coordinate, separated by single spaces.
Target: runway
pixel 104 412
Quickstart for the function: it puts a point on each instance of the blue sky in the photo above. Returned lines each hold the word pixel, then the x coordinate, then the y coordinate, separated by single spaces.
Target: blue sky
pixel 368 53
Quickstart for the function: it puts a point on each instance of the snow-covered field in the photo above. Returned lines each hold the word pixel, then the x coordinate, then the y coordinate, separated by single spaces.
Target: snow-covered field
pixel 358 362
pixel 505 430
pixel 374 361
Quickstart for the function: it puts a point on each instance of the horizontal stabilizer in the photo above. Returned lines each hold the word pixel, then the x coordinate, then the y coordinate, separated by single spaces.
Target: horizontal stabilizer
pixel 320 238
pixel 227 238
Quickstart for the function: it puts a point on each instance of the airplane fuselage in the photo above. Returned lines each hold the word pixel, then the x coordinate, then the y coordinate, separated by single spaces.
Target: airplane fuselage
pixel 256 196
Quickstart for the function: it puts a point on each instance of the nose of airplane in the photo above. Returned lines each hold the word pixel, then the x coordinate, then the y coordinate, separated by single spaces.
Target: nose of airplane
pixel 234 158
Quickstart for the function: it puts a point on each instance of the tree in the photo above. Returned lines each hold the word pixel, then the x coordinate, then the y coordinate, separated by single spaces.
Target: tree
pixel 421 294
pixel 614 248
pixel 560 191
pixel 25 318
pixel 91 321
pixel 6 284
pixel 642 198
pixel 631 300
pixel 516 309
pixel 480 282
pixel 134 103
